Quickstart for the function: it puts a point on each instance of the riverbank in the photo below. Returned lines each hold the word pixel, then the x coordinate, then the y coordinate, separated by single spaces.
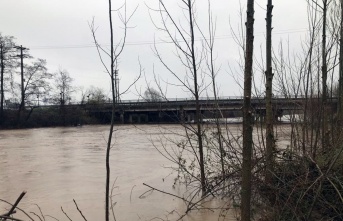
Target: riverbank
pixel 47 117
pixel 36 117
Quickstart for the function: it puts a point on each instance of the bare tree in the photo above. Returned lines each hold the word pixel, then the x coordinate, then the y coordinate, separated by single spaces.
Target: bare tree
pixel 114 54
pixel 152 95
pixel 36 80
pixel 302 76
pixel 187 53
pixel 96 95
pixel 212 70
pixel 325 137
pixel 6 64
pixel 270 141
pixel 247 116
pixel 340 79
pixel 63 84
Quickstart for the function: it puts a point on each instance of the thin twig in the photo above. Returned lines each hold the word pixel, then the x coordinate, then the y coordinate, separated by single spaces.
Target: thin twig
pixel 113 204
pixel 66 214
pixel 170 194
pixel 131 192
pixel 40 212
pixel 53 217
pixel 37 216
pixel 79 210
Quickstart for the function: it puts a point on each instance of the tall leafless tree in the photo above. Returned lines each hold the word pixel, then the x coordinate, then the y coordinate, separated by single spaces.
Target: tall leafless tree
pixel 247 116
pixel 187 53
pixel 114 96
pixel 340 79
pixel 325 138
pixel 37 78
pixel 63 84
pixel 2 59
pixel 270 141
pixel 6 66
pixel 209 45
pixel 114 54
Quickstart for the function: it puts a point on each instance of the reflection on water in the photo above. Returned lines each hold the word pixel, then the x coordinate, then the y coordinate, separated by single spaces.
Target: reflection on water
pixel 57 165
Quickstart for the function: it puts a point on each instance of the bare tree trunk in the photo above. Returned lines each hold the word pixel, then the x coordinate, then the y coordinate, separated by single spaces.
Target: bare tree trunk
pixel 114 55
pixel 109 141
pixel 270 141
pixel 340 87
pixel 2 83
pixel 22 104
pixel 247 116
pixel 217 110
pixel 324 81
pixel 189 52
pixel 196 94
pixel 308 114
pixel 213 77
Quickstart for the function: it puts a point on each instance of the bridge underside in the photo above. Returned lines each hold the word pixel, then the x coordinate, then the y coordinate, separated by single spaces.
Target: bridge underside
pixel 170 111
pixel 172 116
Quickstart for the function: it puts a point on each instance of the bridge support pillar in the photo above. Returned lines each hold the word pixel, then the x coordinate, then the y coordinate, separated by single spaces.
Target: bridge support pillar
pixel 182 116
pixel 278 115
pixel 190 117
pixel 122 118
pixel 138 118
pixel 258 118
pixel 144 117
pixel 262 118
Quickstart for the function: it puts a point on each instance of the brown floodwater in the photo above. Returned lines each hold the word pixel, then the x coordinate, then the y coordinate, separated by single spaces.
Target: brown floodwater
pixel 57 165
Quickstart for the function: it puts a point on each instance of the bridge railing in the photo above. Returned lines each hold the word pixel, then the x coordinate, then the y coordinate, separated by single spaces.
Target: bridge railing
pixel 183 99
pixel 135 102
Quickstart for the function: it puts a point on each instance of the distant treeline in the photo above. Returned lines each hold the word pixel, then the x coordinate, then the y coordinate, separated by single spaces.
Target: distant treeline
pixel 49 117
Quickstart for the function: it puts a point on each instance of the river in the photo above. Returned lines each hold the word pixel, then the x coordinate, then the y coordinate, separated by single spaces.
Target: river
pixel 57 165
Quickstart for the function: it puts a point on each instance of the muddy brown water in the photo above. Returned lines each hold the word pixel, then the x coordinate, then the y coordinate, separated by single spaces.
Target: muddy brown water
pixel 57 165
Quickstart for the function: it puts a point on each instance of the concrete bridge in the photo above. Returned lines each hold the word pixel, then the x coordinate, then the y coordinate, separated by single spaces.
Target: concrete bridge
pixel 183 110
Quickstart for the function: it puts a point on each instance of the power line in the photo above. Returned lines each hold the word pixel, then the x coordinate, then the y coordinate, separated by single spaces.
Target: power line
pixel 139 43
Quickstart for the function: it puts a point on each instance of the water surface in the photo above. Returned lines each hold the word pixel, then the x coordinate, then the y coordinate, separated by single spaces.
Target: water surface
pixel 57 165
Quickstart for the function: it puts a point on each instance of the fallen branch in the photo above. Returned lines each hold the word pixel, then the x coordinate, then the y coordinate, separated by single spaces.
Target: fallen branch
pixel 18 209
pixel 11 218
pixel 15 205
pixel 6 214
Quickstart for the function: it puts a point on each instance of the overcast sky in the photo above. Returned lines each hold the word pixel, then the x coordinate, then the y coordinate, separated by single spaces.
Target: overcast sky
pixel 58 31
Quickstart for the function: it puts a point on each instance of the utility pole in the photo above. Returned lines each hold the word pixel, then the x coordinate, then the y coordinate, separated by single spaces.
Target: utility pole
pixel 116 79
pixel 21 48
